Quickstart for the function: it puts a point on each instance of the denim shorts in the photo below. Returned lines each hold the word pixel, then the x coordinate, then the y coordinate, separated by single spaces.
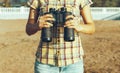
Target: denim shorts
pixel 46 68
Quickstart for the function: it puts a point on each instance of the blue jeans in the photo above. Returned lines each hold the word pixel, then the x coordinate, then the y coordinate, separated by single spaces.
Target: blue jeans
pixel 46 68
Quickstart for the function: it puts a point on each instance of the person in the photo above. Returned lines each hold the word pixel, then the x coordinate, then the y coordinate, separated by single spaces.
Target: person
pixel 60 56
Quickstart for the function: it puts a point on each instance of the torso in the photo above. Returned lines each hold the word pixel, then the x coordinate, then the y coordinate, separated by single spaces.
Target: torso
pixel 66 52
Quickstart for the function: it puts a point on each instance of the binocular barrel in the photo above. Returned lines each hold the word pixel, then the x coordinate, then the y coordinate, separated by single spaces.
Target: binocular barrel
pixel 47 31
pixel 47 34
pixel 68 32
pixel 60 19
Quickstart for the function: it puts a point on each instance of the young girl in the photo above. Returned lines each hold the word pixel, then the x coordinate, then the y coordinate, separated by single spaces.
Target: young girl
pixel 60 56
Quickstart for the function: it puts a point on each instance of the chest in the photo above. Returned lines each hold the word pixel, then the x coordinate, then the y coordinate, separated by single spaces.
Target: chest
pixel 71 5
pixel 56 3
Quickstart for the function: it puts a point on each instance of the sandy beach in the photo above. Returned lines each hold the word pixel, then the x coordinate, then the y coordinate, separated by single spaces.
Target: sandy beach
pixel 17 49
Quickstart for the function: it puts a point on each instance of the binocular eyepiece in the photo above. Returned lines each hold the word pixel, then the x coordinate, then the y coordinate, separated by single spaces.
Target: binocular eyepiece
pixel 60 19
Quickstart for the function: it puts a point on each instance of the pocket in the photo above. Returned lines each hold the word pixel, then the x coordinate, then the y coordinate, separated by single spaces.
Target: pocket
pixel 76 65
pixel 75 68
pixel 41 65
pixel 41 68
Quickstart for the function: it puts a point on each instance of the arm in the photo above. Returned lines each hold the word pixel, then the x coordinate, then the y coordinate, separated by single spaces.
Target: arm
pixel 32 25
pixel 36 23
pixel 88 27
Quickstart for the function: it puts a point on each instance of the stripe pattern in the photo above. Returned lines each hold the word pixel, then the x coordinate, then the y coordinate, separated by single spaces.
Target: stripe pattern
pixel 59 52
pixel 72 5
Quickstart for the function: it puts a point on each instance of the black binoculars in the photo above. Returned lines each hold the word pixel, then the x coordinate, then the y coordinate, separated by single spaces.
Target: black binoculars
pixel 60 19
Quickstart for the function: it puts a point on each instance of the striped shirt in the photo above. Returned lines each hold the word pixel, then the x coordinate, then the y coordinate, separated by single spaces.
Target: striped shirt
pixel 60 52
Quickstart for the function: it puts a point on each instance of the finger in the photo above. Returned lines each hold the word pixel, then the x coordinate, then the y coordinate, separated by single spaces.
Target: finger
pixel 44 24
pixel 47 16
pixel 69 22
pixel 71 26
pixel 69 17
pixel 43 19
pixel 67 25
pixel 47 24
pixel 49 19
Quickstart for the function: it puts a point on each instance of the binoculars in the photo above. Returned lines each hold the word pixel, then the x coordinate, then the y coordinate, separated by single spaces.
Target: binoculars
pixel 60 19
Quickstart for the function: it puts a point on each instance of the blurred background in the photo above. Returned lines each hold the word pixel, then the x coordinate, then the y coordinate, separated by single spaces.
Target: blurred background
pixel 101 9
pixel 97 3
pixel 17 49
pixel 13 3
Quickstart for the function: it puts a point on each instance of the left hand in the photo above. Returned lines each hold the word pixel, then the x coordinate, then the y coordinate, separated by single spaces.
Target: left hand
pixel 72 23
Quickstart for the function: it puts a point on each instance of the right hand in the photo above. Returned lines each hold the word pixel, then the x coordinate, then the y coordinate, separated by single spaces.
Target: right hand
pixel 43 21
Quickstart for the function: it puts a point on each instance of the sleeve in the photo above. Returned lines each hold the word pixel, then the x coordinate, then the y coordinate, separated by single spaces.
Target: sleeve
pixel 33 4
pixel 85 3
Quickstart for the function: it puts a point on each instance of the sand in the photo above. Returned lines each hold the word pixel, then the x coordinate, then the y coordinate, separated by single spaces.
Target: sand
pixel 17 49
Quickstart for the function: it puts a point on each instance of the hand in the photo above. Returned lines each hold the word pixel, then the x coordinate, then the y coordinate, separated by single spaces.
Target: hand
pixel 73 22
pixel 43 21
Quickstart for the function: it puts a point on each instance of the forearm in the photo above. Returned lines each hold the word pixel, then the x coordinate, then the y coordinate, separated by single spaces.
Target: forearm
pixel 86 28
pixel 32 25
pixel 32 28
